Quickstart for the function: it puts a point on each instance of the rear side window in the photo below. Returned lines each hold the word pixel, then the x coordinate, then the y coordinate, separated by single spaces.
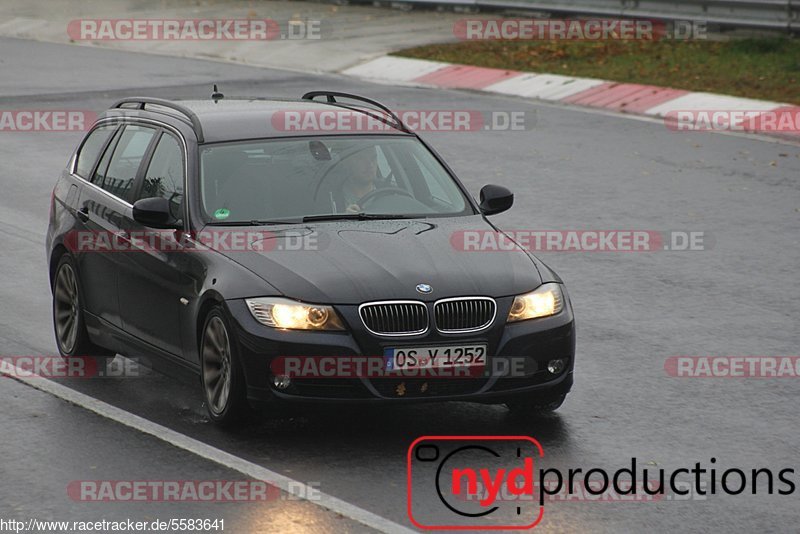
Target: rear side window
pixel 125 161
pixel 164 176
pixel 102 167
pixel 90 150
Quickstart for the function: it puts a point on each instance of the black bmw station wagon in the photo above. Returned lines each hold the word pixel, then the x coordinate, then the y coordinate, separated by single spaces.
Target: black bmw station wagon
pixel 271 261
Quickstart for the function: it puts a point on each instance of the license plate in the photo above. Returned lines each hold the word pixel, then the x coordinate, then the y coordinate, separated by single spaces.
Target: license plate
pixel 401 358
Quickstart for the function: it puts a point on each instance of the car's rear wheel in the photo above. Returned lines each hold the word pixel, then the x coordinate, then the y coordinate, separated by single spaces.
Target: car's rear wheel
pixel 72 338
pixel 536 407
pixel 222 378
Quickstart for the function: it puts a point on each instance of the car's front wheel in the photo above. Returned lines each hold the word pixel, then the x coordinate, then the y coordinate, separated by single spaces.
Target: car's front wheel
pixel 72 338
pixel 222 378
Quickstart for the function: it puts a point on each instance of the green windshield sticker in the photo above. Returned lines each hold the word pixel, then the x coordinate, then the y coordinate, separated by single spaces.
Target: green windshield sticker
pixel 222 213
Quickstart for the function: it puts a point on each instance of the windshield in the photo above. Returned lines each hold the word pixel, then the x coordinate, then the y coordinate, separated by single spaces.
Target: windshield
pixel 339 177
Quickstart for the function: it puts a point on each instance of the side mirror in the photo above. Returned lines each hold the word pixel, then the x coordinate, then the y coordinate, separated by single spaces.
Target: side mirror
pixel 154 212
pixel 495 199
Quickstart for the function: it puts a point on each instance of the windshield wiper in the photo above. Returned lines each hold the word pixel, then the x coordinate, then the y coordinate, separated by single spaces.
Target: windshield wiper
pixel 265 222
pixel 254 222
pixel 355 217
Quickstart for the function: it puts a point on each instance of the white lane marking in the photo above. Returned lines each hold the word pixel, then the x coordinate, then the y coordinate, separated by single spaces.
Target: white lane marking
pixel 543 86
pixel 712 102
pixel 395 68
pixel 203 450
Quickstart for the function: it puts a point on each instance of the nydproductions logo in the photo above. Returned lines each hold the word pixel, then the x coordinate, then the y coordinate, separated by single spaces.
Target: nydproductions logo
pixel 444 472
pixel 493 483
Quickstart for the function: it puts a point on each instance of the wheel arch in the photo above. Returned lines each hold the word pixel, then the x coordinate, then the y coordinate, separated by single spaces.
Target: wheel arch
pixel 208 300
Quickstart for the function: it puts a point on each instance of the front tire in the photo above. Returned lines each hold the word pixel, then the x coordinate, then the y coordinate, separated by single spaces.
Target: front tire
pixel 223 382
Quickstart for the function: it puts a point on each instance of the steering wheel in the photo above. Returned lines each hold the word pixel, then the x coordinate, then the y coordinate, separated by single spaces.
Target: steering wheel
pixel 377 193
pixel 326 170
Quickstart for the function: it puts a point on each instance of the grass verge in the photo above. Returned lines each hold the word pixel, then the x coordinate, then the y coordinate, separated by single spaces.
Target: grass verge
pixel 762 68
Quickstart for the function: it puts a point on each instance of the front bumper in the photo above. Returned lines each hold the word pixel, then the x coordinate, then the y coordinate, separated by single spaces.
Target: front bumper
pixel 525 348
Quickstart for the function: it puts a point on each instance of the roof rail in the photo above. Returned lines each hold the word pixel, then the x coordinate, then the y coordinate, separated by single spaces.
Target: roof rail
pixel 142 101
pixel 331 96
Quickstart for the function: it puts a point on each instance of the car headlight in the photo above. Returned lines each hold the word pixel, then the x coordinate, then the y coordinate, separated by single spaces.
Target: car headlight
pixel 545 301
pixel 284 313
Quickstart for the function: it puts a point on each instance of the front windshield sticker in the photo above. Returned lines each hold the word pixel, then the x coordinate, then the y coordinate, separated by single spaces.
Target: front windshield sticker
pixel 222 213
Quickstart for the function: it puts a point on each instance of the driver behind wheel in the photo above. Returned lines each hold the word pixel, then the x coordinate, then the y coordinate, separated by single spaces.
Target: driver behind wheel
pixel 363 176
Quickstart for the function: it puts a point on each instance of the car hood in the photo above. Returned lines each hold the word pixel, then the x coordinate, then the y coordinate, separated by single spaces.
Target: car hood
pixel 351 262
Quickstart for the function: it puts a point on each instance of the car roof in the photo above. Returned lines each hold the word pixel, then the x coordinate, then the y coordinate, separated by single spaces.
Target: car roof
pixel 230 119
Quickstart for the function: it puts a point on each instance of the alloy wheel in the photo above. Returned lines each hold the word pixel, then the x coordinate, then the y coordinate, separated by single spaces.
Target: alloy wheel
pixel 67 307
pixel 216 365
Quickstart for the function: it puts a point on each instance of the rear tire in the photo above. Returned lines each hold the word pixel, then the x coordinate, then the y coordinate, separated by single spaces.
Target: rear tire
pixel 536 407
pixel 72 338
pixel 224 386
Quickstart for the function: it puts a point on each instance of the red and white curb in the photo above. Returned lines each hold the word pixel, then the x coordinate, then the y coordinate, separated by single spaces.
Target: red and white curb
pixel 631 98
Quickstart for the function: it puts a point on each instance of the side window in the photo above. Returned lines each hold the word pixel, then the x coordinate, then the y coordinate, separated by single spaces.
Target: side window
pixel 90 150
pixel 102 167
pixel 164 176
pixel 126 159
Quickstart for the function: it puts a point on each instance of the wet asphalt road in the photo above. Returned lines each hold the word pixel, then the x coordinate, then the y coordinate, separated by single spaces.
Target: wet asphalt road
pixel 573 170
pixel 49 444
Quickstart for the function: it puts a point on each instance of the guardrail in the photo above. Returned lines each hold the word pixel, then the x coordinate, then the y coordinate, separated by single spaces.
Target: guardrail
pixel 765 14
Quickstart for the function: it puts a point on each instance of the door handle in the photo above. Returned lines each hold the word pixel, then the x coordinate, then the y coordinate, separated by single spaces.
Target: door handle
pixel 83 214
